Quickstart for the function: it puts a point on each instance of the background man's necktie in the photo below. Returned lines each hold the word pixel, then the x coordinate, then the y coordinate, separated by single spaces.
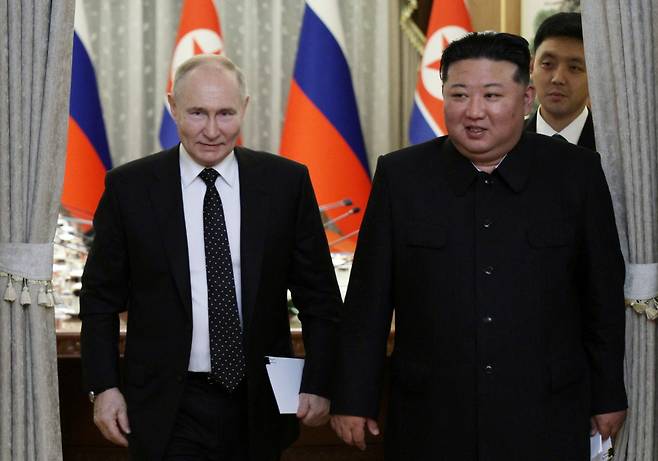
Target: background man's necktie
pixel 227 359
pixel 560 137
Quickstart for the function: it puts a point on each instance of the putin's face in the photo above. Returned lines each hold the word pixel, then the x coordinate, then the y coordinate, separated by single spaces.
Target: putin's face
pixel 209 111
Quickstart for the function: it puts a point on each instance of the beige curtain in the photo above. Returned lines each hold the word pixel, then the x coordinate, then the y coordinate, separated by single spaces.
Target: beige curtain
pixel 35 62
pixel 620 47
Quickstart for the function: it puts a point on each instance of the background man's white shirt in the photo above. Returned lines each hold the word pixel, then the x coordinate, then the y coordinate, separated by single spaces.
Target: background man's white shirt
pixel 571 132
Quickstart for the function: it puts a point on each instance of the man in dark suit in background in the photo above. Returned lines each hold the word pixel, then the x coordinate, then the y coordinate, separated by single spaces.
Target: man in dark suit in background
pixel 498 251
pixel 559 75
pixel 200 243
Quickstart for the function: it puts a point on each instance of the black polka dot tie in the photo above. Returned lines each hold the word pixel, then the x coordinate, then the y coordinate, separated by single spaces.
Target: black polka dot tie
pixel 227 361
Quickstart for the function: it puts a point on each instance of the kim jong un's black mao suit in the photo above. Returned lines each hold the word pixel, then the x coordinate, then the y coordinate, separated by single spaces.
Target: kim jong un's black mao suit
pixel 508 297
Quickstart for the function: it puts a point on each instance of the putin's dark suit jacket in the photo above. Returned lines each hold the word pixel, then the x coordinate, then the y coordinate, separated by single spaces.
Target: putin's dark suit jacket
pixel 508 298
pixel 139 263
pixel 586 136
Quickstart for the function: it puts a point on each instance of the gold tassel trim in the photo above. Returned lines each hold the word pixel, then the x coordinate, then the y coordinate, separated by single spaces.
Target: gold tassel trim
pixel 409 27
pixel 648 307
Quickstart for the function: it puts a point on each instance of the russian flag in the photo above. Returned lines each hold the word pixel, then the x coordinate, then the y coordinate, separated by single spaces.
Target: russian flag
pixel 449 21
pixel 87 150
pixel 199 32
pixel 322 128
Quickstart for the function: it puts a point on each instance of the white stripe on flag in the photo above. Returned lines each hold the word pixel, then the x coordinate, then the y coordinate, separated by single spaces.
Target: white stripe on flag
pixel 427 116
pixel 327 11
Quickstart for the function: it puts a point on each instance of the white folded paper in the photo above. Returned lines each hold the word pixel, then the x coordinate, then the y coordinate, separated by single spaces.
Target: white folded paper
pixel 599 449
pixel 285 375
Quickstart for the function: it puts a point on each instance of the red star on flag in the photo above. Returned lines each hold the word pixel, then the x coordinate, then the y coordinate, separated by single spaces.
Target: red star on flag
pixel 199 50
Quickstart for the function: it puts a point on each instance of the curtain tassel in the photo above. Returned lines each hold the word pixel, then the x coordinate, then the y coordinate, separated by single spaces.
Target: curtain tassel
pixel 56 299
pixel 10 292
pixel 42 298
pixel 25 294
pixel 50 298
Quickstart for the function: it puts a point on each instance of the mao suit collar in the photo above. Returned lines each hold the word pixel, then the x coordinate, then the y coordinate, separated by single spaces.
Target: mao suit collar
pixel 461 173
pixel 515 169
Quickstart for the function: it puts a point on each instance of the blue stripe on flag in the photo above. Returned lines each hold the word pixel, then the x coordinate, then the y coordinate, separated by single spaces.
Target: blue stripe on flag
pixel 419 129
pixel 168 134
pixel 322 72
pixel 85 104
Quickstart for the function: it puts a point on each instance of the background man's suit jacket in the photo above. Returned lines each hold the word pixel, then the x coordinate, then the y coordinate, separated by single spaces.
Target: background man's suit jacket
pixel 508 298
pixel 139 262
pixel 586 136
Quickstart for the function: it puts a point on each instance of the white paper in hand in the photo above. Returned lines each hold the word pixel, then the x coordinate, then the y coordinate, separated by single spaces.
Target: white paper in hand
pixel 599 448
pixel 285 375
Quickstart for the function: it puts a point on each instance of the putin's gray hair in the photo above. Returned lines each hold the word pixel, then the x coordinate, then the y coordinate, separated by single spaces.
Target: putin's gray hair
pixel 219 61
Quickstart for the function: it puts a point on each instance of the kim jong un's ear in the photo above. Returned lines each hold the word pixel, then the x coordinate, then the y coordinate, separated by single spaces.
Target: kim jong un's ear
pixel 528 98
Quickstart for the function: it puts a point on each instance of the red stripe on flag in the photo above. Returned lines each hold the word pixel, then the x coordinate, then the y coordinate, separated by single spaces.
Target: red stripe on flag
pixel 446 16
pixel 449 13
pixel 84 176
pixel 198 14
pixel 309 138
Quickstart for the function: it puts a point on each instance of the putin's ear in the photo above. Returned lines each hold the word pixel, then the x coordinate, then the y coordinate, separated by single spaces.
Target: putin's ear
pixel 244 105
pixel 532 65
pixel 172 104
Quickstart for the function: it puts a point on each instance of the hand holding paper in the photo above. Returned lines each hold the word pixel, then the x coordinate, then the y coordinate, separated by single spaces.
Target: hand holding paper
pixel 600 449
pixel 313 409
pixel 285 375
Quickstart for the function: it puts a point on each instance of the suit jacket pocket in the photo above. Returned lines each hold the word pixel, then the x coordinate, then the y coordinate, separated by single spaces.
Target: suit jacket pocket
pixel 410 375
pixel 549 234
pixel 426 235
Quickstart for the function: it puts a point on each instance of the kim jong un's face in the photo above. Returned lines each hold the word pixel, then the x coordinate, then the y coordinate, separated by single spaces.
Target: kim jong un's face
pixel 484 108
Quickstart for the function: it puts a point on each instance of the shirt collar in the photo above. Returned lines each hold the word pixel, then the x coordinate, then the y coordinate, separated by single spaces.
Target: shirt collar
pixel 571 132
pixel 462 172
pixel 495 166
pixel 190 169
pixel 513 171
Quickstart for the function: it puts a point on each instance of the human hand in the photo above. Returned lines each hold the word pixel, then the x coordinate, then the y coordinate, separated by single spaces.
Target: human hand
pixel 111 416
pixel 608 424
pixel 313 410
pixel 351 429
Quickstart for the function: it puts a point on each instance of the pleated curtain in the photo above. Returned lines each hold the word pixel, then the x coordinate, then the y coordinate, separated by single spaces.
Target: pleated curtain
pixel 35 69
pixel 621 51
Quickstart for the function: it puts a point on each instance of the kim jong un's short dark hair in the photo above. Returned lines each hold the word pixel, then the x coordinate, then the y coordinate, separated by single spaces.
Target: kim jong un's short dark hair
pixel 496 46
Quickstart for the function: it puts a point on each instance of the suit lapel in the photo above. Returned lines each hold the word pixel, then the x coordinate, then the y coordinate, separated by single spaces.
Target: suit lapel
pixel 531 124
pixel 586 138
pixel 167 199
pixel 254 208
